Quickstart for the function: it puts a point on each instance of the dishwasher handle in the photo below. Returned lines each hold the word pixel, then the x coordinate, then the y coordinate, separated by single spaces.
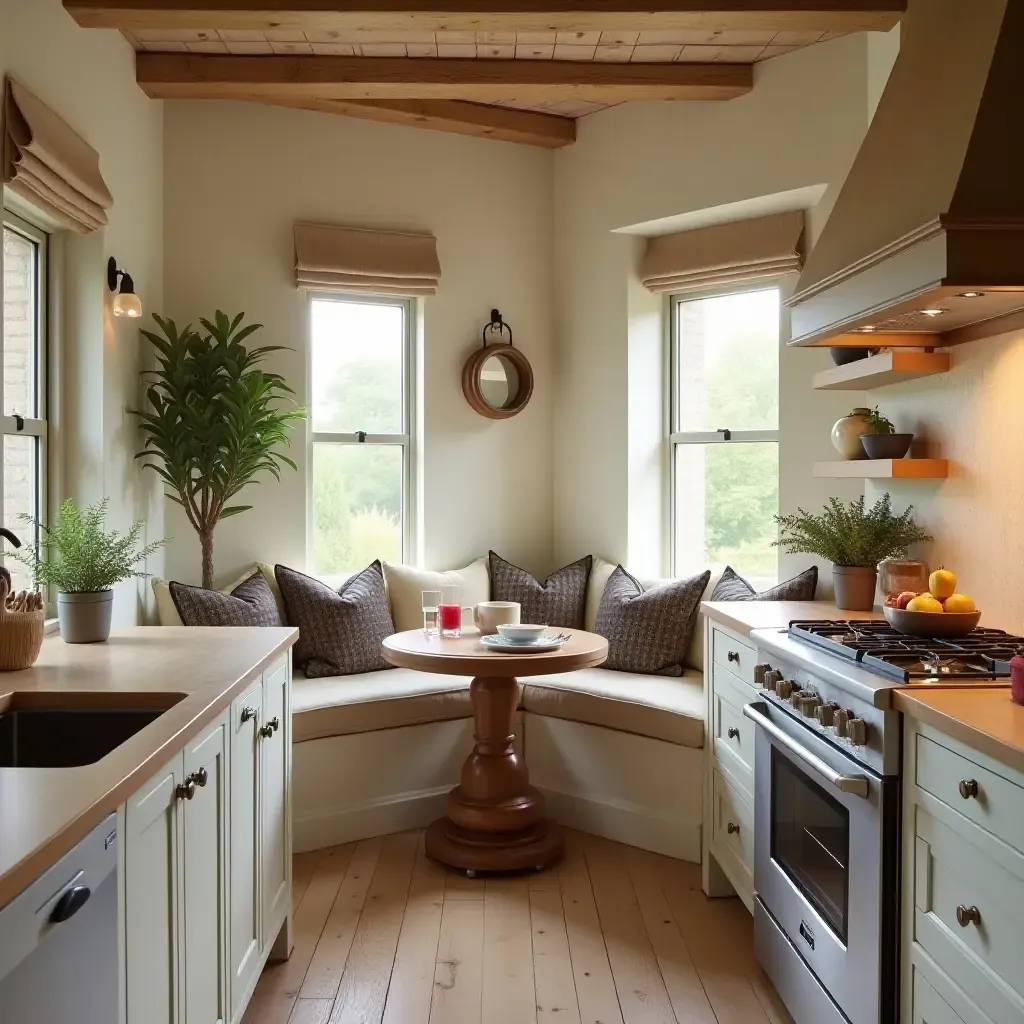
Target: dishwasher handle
pixel 70 903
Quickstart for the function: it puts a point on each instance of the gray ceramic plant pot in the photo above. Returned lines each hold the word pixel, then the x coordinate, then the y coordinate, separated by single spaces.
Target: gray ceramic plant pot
pixel 85 618
pixel 855 587
pixel 886 446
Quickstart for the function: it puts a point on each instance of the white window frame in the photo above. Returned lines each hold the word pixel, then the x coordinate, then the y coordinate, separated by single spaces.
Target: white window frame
pixel 404 440
pixel 724 434
pixel 38 425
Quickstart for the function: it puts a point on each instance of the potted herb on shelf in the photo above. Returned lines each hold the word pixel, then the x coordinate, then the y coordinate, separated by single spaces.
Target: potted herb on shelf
pixel 881 441
pixel 82 562
pixel 854 539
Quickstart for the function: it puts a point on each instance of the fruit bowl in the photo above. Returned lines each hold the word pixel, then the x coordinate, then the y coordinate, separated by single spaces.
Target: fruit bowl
pixel 941 625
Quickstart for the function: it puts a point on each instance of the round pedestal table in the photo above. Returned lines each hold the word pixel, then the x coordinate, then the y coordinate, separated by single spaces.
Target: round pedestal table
pixel 494 819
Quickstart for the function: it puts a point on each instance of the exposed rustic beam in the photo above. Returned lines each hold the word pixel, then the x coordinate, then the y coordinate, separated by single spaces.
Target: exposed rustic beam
pixel 210 76
pixel 460 118
pixel 490 15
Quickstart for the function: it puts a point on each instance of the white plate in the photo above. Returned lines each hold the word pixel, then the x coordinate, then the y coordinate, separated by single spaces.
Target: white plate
pixel 499 643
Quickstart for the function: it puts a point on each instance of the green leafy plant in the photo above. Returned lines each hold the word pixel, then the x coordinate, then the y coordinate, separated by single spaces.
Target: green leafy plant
pixel 850 535
pixel 879 423
pixel 215 421
pixel 78 556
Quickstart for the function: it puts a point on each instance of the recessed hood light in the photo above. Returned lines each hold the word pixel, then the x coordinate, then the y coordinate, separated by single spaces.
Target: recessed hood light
pixel 931 312
pixel 971 295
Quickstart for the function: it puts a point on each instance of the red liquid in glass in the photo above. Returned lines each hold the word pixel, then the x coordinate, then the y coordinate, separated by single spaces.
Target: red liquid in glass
pixel 450 616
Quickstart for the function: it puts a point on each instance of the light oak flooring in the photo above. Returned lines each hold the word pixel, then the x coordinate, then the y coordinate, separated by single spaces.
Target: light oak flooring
pixel 611 935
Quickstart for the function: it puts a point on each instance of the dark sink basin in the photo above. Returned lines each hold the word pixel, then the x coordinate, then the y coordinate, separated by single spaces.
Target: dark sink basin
pixel 68 737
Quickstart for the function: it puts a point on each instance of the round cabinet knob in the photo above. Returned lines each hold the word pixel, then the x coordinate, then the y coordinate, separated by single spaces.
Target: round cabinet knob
pixel 266 731
pixel 274 723
pixel 969 788
pixel 967 915
pixel 809 706
pixel 857 731
pixel 201 777
pixel 248 714
pixel 825 714
pixel 784 688
pixel 187 789
pixel 840 718
pixel 734 733
pixel 733 656
pixel 732 828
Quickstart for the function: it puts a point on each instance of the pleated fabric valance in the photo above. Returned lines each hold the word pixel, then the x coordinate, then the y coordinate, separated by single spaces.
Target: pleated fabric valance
pixel 332 258
pixel 50 165
pixel 725 254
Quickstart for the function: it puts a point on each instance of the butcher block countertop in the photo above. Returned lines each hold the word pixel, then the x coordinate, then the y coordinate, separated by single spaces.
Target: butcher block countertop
pixel 44 812
pixel 982 717
pixel 743 616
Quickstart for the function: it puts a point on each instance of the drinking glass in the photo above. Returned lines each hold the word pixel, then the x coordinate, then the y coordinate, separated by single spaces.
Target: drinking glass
pixel 450 610
pixel 430 600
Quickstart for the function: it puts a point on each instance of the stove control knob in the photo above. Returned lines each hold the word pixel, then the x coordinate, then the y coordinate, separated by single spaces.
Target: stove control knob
pixel 796 696
pixel 857 731
pixel 809 705
pixel 783 688
pixel 760 672
pixel 772 678
pixel 840 719
pixel 825 713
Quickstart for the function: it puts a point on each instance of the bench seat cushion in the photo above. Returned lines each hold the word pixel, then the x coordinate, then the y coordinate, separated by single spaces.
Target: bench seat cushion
pixel 662 707
pixel 368 701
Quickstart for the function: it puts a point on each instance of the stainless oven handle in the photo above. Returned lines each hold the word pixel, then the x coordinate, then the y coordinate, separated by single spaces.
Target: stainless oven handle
pixel 858 785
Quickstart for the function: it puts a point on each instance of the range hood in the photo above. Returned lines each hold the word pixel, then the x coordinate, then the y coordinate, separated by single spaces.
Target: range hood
pixel 925 244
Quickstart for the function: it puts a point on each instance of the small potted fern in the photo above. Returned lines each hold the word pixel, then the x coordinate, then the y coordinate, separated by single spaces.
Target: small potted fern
pixel 854 539
pixel 82 562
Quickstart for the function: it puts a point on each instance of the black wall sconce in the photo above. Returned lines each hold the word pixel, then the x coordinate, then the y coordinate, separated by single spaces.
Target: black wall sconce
pixel 126 302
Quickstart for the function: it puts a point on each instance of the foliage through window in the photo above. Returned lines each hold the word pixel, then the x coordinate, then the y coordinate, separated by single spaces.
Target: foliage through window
pixel 725 433
pixel 361 363
pixel 23 439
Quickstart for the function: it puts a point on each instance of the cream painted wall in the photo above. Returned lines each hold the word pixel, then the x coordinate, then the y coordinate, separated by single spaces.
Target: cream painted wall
pixel 239 176
pixel 88 77
pixel 641 163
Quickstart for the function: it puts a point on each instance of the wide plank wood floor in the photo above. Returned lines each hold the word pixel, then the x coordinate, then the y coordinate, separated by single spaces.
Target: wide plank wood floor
pixel 611 935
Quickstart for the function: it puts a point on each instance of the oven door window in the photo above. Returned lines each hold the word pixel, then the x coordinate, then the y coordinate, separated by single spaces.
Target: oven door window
pixel 810 833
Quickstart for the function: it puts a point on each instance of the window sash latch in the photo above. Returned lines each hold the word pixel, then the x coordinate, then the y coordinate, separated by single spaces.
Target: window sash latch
pixel 361 436
pixel 726 434
pixel 19 423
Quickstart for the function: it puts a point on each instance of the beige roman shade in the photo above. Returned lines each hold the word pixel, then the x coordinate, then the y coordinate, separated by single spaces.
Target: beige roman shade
pixel 723 255
pixel 332 258
pixel 49 165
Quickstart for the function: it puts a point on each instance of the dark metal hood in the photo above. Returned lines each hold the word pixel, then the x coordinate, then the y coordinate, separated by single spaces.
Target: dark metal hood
pixel 925 244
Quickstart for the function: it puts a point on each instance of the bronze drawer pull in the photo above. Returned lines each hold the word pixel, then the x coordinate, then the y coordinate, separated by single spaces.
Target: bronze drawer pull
pixel 734 733
pixel 248 715
pixel 734 656
pixel 201 777
pixel 968 788
pixel 186 790
pixel 732 828
pixel 967 915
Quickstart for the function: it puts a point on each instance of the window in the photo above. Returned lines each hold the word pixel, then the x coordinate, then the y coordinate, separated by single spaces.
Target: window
pixel 361 413
pixel 725 433
pixel 23 440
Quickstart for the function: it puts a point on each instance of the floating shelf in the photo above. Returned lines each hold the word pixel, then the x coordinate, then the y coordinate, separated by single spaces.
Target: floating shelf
pixel 881 370
pixel 885 469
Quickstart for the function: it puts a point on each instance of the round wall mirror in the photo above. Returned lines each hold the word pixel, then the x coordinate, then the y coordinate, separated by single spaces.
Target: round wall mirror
pixel 497 379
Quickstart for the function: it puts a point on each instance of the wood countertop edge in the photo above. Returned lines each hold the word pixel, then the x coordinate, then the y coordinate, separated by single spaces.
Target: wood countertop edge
pixel 512 666
pixel 210 703
pixel 775 614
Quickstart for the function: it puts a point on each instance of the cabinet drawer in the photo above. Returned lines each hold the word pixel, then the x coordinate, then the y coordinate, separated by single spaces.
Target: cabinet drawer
pixel 734 734
pixel 733 821
pixel 929 1006
pixel 979 949
pixel 735 655
pixel 987 799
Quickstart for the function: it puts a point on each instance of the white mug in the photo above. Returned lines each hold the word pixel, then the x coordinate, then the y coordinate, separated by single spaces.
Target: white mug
pixel 488 615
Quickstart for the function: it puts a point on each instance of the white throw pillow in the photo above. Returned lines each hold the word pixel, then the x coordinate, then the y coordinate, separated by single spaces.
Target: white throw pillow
pixel 168 615
pixel 406 583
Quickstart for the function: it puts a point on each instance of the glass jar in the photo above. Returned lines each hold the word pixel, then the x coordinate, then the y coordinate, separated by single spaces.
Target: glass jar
pixel 899 575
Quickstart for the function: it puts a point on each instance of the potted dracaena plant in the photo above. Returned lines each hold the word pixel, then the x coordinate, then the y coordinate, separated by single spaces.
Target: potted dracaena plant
pixel 216 420
pixel 82 561
pixel 854 539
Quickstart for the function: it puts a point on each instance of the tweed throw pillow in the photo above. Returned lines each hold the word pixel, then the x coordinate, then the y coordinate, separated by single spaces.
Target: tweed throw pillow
pixel 649 631
pixel 733 587
pixel 251 603
pixel 340 631
pixel 559 601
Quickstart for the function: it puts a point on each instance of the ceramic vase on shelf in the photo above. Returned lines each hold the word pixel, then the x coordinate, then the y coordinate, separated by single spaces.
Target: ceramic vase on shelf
pixel 846 434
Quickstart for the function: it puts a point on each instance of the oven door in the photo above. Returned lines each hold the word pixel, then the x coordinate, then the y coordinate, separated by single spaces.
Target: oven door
pixel 820 852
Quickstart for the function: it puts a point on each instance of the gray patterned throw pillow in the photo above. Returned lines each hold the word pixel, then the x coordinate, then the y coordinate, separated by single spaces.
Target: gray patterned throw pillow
pixel 733 587
pixel 340 632
pixel 559 601
pixel 649 631
pixel 251 603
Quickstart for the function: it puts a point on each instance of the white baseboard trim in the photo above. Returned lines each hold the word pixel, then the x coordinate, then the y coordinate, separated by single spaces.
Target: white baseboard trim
pixel 626 823
pixel 375 818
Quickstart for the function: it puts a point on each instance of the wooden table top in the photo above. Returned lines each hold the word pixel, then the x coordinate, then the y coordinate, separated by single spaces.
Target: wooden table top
pixel 464 655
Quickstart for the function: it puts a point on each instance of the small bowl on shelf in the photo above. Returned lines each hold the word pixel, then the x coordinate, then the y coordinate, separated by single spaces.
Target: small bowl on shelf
pixel 886 446
pixel 931 625
pixel 521 632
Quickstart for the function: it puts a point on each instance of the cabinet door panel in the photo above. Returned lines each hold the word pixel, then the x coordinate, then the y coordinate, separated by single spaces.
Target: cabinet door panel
pixel 152 909
pixel 276 749
pixel 203 951
pixel 244 831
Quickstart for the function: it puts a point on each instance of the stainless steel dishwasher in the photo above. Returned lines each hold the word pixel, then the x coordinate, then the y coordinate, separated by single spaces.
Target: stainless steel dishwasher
pixel 58 939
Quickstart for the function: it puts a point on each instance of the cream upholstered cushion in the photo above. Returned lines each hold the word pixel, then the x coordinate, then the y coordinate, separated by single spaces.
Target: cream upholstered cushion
pixel 368 701
pixel 599 576
pixel 662 707
pixel 405 584
pixel 167 614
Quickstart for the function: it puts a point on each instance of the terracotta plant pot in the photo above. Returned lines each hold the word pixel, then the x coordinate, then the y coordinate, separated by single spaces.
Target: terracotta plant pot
pixel 846 434
pixel 855 587
pixel 886 446
pixel 85 618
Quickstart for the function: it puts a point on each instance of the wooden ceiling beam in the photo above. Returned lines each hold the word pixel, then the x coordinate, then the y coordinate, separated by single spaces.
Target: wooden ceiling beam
pixel 490 15
pixel 458 117
pixel 211 76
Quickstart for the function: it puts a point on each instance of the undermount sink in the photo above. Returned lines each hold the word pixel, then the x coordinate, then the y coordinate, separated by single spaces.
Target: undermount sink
pixel 48 735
